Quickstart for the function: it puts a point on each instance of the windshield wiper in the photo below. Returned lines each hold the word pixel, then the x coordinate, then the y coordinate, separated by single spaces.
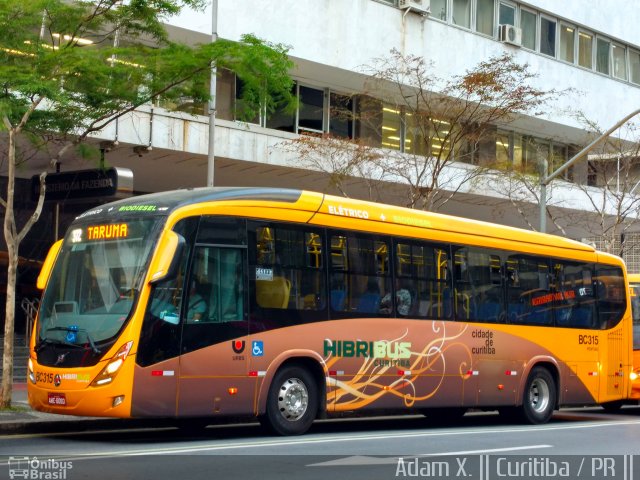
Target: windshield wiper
pixel 49 341
pixel 74 330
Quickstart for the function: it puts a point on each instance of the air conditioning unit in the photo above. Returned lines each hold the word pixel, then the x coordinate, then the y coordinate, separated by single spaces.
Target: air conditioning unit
pixel 511 35
pixel 421 7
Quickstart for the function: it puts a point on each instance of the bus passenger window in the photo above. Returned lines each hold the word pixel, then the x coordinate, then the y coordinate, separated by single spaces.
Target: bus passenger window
pixel 359 274
pixel 288 265
pixel 529 298
pixel 611 295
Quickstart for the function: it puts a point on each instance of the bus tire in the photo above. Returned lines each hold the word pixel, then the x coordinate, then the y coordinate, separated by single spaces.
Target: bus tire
pixel 292 402
pixel 539 397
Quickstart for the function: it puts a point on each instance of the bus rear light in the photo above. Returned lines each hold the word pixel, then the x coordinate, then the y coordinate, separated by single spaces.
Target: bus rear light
pixel 633 376
pixel 109 372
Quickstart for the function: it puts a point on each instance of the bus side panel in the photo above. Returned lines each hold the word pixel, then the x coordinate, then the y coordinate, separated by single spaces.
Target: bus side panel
pixel 383 364
pixel 155 389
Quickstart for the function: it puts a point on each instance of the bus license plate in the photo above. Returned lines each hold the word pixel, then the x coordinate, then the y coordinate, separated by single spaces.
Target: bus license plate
pixel 57 399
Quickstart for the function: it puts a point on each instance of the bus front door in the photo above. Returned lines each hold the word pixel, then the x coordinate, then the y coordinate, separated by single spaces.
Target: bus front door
pixel 214 377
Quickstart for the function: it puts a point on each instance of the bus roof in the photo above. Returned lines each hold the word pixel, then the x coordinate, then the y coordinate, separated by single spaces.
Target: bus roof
pixel 318 203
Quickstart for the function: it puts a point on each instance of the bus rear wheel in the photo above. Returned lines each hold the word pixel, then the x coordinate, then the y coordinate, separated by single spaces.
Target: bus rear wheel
pixel 292 402
pixel 539 397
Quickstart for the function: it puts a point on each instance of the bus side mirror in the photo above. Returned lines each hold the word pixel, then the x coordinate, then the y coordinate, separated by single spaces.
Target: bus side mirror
pixel 166 263
pixel 45 271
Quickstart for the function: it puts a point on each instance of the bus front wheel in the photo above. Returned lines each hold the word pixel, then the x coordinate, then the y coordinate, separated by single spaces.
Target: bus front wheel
pixel 292 402
pixel 539 397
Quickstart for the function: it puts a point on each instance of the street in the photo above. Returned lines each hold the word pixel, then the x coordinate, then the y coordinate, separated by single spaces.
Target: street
pixel 478 446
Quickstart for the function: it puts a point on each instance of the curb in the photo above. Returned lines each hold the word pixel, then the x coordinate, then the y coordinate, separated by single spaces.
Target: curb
pixel 81 424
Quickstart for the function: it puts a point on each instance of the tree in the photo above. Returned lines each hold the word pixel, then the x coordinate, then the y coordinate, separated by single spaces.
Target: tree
pixel 605 181
pixel 611 188
pixel 68 69
pixel 445 122
pixel 343 160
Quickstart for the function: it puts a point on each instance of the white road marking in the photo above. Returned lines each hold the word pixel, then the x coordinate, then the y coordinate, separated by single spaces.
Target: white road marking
pixel 365 460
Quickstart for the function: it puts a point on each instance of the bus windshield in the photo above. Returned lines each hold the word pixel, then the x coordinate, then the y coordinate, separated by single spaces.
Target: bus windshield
pixel 95 283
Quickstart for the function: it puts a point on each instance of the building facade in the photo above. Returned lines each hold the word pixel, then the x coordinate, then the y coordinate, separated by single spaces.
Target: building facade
pixel 589 50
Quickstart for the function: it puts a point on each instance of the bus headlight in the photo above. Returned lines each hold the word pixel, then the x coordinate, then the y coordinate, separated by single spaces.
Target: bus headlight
pixel 32 376
pixel 109 372
pixel 633 376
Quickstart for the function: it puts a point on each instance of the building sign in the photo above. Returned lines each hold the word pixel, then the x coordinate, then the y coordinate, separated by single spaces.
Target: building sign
pixel 84 184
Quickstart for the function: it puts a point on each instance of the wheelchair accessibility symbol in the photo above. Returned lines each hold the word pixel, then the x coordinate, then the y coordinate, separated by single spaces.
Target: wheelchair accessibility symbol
pixel 257 348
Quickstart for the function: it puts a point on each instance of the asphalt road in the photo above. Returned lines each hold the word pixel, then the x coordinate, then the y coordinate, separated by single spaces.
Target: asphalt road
pixel 585 443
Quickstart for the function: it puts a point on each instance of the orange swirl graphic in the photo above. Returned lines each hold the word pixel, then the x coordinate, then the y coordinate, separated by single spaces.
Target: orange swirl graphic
pixel 373 381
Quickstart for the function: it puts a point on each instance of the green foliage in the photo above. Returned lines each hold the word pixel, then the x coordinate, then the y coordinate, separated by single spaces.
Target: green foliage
pixel 78 87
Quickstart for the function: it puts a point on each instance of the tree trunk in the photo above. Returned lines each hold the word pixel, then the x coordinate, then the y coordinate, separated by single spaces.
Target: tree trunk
pixel 12 251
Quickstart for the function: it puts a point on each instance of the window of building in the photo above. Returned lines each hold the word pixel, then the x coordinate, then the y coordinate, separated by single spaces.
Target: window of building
pixel 507 15
pixel 485 16
pixel 592 174
pixel 391 127
pixel 341 116
pixel 461 13
pixel 528 24
pixel 311 108
pixel 440 136
pixel 558 159
pixel 634 66
pixel 240 110
pixel 503 148
pixel 602 55
pixel 416 134
pixel 567 43
pixel 517 155
pixel 548 36
pixel 439 9
pixel 619 59
pixel 585 50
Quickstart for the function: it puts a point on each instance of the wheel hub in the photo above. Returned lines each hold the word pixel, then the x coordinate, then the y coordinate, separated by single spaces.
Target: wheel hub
pixel 539 395
pixel 293 399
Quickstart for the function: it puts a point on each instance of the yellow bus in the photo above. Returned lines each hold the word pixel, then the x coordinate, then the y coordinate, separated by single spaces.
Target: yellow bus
pixel 290 305
pixel 634 290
